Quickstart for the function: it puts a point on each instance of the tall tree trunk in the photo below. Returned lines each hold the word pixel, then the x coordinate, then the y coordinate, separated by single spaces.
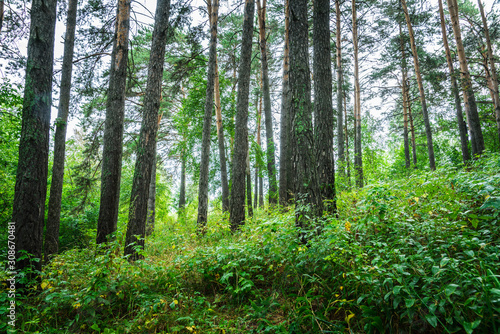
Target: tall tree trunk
pixel 32 168
pixel 113 127
pixel 146 150
pixel 256 192
pixel 346 135
pixel 405 101
pixel 340 133
pixel 477 140
pixel 462 129
pixel 150 220
pixel 213 10
pixel 1 14
pixel 491 59
pixel 285 152
pixel 237 207
pixel 258 179
pixel 423 101
pixel 270 149
pixel 412 130
pixel 182 190
pixel 249 187
pixel 54 212
pixel 358 154
pixel 307 193
pixel 220 139
pixel 323 108
pixel 261 192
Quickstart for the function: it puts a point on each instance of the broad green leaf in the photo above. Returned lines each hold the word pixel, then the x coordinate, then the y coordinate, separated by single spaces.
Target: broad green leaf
pixel 444 261
pixel 491 202
pixel 450 289
pixel 409 302
pixel 432 319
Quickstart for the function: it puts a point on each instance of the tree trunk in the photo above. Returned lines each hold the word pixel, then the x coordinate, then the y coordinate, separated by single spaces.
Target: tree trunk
pixel 1 14
pixel 182 190
pixel 307 193
pixel 146 150
pixel 32 169
pixel 256 192
pixel 220 139
pixel 423 101
pixel 261 192
pixel 358 154
pixel 213 10
pixel 340 133
pixel 237 207
pixel 150 220
pixel 462 129
pixel 56 187
pixel 405 102
pixel 285 152
pixel 271 161
pixel 477 140
pixel 249 187
pixel 491 59
pixel 323 108
pixel 113 127
pixel 412 130
pixel 346 133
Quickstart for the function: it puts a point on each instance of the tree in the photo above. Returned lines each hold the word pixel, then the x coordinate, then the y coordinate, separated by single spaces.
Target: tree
pixel 285 183
pixel 146 150
pixel 462 129
pixel 477 141
pixel 404 88
pixel 1 14
pixel 271 161
pixel 213 10
pixel 32 169
pixel 493 70
pixel 237 206
pixel 113 127
pixel 307 194
pixel 423 101
pixel 340 122
pixel 358 156
pixel 323 108
pixel 54 212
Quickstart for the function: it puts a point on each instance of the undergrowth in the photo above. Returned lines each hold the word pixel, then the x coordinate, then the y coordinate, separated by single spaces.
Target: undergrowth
pixel 419 255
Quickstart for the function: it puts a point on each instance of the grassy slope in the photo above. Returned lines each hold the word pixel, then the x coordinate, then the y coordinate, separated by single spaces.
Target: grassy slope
pixel 419 255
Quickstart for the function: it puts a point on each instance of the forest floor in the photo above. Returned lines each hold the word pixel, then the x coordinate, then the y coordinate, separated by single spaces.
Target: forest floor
pixel 417 255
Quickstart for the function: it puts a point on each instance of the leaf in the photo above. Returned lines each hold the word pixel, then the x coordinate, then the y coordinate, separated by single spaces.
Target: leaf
pixel 470 326
pixel 491 202
pixel 397 289
pixel 444 261
pixel 409 302
pixel 431 319
pixel 450 289
pixel 495 291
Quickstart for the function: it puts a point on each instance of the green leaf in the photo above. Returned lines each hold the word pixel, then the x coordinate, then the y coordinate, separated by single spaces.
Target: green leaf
pixel 450 289
pixel 495 291
pixel 470 326
pixel 409 302
pixel 397 289
pixel 432 319
pixel 491 202
pixel 444 261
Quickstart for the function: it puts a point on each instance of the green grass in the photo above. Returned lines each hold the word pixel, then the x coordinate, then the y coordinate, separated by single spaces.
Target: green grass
pixel 417 255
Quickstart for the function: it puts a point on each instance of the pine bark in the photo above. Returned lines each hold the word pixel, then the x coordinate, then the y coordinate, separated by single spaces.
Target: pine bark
pixel 113 127
pixel 340 121
pixel 412 130
pixel 151 216
pixel 493 70
pixel 182 190
pixel 249 188
pixel 404 89
pixel 56 187
pixel 346 136
pixel 323 106
pixel 136 228
pixel 477 140
pixel 268 118
pixel 221 142
pixel 423 101
pixel 358 154
pixel 213 9
pixel 32 169
pixel 237 207
pixel 285 152
pixel 307 193
pixel 462 129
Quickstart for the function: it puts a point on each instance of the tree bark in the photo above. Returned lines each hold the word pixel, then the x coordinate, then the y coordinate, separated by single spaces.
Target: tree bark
pixel 412 130
pixel 113 127
pixel 358 154
pixel 323 107
pixel 491 60
pixel 477 140
pixel 249 187
pixel 1 14
pixel 56 187
pixel 270 149
pixel 146 150
pixel 340 132
pixel 150 220
pixel 405 101
pixel 237 207
pixel 213 10
pixel 423 101
pixel 182 190
pixel 220 139
pixel 346 136
pixel 32 168
pixel 307 193
pixel 285 153
pixel 462 129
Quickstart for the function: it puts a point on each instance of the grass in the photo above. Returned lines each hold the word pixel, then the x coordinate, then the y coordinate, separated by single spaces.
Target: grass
pixel 418 255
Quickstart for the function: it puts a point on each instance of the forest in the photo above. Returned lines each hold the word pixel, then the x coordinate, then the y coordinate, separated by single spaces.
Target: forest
pixel 254 166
